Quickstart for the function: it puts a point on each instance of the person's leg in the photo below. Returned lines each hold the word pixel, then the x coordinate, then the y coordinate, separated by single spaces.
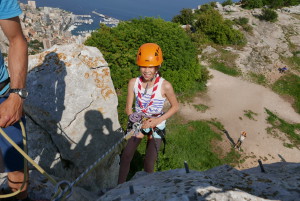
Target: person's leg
pixel 127 156
pixel 153 145
pixel 15 181
pixel 237 144
pixel 13 160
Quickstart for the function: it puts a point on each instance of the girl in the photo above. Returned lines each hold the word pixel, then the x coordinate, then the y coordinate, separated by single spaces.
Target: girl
pixel 149 92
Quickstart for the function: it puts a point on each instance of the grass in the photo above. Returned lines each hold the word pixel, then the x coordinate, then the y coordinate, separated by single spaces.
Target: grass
pixel 289 84
pixel 225 69
pixel 250 114
pixel 294 61
pixel 289 129
pixel 217 124
pixel 201 107
pixel 191 142
pixel 258 78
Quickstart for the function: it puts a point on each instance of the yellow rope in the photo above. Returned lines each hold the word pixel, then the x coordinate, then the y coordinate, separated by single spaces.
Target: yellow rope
pixel 24 154
pixel 25 168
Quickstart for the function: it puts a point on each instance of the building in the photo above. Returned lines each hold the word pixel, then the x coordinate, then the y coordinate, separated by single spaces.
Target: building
pixel 32 4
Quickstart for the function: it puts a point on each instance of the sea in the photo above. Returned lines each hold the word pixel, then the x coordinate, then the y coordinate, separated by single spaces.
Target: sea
pixel 121 9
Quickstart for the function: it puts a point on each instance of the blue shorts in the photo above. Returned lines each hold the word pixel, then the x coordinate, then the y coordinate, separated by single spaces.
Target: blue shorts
pixel 161 126
pixel 10 159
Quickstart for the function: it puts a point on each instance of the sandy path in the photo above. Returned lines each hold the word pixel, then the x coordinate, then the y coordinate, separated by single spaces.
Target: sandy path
pixel 227 98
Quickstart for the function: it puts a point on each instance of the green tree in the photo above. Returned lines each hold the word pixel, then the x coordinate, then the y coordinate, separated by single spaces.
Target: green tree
pixel 249 4
pixel 218 30
pixel 186 17
pixel 227 2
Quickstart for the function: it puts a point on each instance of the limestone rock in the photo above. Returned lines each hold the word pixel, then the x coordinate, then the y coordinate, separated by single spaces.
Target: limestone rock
pixel 279 182
pixel 73 113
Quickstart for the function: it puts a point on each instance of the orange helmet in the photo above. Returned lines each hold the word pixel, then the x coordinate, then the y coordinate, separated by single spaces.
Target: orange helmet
pixel 244 133
pixel 149 54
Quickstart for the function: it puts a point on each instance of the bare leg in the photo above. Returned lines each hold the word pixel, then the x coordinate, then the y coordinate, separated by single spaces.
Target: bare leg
pixel 15 181
pixel 238 144
pixel 127 156
pixel 152 149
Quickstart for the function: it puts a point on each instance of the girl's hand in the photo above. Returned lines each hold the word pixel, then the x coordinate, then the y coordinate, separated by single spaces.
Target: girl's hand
pixel 151 123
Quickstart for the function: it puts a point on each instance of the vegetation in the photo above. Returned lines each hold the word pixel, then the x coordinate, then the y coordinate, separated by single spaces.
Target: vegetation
pixel 294 61
pixel 35 46
pixel 227 2
pixel 250 114
pixel 119 46
pixel 289 129
pixel 191 142
pixel 209 26
pixel 268 15
pixel 218 30
pixel 243 22
pixel 258 78
pixel 249 4
pixel 225 69
pixel 289 84
pixel 201 107
pixel 186 17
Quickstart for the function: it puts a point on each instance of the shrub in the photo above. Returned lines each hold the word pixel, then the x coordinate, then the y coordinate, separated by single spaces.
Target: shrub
pixel 289 85
pixel 227 2
pixel 268 15
pixel 186 17
pixel 218 30
pixel 250 4
pixel 241 20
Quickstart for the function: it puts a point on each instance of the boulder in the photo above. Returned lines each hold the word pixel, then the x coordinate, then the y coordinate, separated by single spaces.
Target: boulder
pixel 72 114
pixel 280 181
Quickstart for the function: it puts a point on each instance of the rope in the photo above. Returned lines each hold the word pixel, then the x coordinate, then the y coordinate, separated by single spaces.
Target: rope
pixel 25 167
pixel 65 185
pixel 24 154
pixel 68 189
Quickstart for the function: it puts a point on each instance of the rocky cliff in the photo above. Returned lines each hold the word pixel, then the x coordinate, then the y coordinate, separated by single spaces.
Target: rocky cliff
pixel 270 45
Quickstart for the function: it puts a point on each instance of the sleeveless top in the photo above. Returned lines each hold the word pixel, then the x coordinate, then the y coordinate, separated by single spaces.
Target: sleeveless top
pixel 144 103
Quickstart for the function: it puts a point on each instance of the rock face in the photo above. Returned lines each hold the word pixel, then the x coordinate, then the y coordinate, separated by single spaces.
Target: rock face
pixel 72 110
pixel 279 182
pixel 268 42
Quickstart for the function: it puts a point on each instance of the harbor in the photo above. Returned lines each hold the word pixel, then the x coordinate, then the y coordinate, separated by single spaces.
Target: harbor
pixel 110 21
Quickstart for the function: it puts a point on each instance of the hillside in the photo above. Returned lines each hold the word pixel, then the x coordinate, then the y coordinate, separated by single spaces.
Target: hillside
pixel 230 99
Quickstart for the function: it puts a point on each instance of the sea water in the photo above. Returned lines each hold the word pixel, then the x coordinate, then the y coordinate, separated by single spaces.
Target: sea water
pixel 122 9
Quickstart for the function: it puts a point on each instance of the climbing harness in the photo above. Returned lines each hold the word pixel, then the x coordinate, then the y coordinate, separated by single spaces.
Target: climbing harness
pixel 63 189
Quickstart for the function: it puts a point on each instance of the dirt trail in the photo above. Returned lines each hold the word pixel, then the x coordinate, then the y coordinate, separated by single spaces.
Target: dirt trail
pixel 227 98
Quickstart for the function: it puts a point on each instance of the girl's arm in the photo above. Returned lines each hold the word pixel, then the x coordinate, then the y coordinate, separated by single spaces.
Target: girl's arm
pixel 130 97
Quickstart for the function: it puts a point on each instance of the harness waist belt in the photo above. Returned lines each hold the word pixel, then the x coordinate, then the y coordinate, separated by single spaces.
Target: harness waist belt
pixel 4 83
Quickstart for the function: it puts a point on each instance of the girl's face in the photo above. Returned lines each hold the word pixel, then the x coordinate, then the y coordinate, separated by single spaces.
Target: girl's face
pixel 148 73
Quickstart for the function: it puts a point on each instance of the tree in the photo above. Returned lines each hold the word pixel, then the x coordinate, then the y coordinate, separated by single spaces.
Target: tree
pixel 249 4
pixel 218 30
pixel 227 2
pixel 186 17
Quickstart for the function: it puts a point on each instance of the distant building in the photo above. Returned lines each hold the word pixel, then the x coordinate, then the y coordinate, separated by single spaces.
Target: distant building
pixel 32 4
